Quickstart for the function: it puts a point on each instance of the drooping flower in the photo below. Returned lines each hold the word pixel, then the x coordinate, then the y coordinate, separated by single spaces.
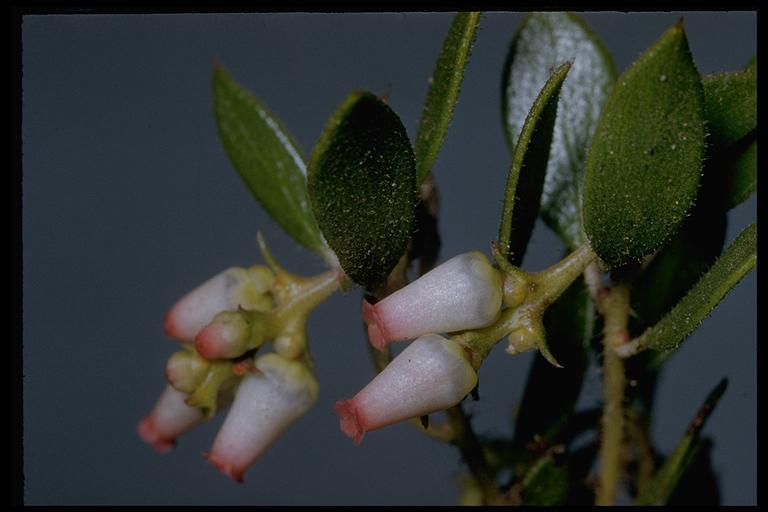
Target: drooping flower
pixel 465 292
pixel 170 418
pixel 228 290
pixel 430 375
pixel 267 402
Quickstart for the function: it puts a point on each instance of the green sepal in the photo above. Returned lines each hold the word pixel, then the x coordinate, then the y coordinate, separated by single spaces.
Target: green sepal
pixel 208 393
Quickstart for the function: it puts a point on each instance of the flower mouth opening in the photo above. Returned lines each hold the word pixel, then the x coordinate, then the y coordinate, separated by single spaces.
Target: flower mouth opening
pixel 350 420
pixel 377 334
pixel 150 435
pixel 231 470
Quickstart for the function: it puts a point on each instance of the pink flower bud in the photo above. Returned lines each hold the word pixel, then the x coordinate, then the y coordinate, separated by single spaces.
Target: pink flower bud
pixel 170 418
pixel 430 375
pixel 185 370
pixel 465 292
pixel 225 337
pixel 224 292
pixel 267 402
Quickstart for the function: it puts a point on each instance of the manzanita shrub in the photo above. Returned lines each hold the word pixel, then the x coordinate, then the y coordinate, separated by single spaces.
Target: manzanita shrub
pixel 635 173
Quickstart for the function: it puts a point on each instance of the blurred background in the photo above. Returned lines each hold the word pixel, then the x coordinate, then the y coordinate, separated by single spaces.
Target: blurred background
pixel 129 202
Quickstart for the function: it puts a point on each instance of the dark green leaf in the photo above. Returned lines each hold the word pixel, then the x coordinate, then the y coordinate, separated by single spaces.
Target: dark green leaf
pixel 666 479
pixel 545 484
pixel 677 267
pixel 266 157
pixel 551 393
pixel 700 484
pixel 544 41
pixel 644 163
pixel 526 175
pixel 730 101
pixel 726 273
pixel 362 187
pixel 742 175
pixel 443 91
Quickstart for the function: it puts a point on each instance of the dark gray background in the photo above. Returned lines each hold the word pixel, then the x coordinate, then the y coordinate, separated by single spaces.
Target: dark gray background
pixel 129 202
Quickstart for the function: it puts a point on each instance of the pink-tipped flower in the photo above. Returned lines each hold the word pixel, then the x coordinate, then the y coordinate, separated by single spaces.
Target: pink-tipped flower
pixel 224 292
pixel 170 418
pixel 266 403
pixel 231 334
pixel 465 292
pixel 430 375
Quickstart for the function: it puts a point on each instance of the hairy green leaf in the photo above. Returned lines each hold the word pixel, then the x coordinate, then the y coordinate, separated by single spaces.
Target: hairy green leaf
pixel 529 165
pixel 444 91
pixel 266 157
pixel 742 175
pixel 644 163
pixel 544 41
pixel 730 101
pixel 677 267
pixel 700 484
pixel 362 187
pixel 683 319
pixel 666 479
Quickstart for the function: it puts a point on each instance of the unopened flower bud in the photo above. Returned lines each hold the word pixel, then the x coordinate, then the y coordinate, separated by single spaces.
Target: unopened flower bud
pixel 430 375
pixel 233 288
pixel 465 292
pixel 266 403
pixel 185 369
pixel 170 418
pixel 231 334
pixel 523 339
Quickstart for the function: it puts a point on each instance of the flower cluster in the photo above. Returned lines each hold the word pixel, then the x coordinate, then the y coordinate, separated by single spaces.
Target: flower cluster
pixel 433 372
pixel 226 321
pixel 223 323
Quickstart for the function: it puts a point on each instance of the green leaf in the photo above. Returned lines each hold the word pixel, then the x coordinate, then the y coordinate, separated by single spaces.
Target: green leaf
pixel 730 101
pixel 443 91
pixel 667 478
pixel 544 41
pixel 644 163
pixel 550 393
pixel 700 484
pixel 526 174
pixel 742 175
pixel 677 267
pixel 545 484
pixel 266 157
pixel 362 184
pixel 726 273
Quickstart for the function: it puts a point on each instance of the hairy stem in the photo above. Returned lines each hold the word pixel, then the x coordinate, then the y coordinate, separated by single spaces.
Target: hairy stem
pixel 614 304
